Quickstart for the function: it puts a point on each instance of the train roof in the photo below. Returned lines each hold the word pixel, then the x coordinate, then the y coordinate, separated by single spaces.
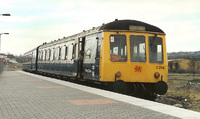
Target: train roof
pixel 121 25
pixel 132 25
pixel 126 25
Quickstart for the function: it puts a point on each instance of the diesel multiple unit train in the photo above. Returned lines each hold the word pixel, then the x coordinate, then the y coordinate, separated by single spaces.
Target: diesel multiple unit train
pixel 129 56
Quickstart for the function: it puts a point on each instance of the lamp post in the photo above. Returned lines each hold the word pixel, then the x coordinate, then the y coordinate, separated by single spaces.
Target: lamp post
pixel 4 14
pixel 0 39
pixel 3 33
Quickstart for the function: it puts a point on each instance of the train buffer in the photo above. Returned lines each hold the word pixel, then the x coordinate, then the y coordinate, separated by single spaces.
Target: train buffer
pixel 25 95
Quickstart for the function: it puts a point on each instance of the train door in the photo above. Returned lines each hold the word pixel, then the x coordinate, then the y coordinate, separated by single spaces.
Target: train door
pixel 74 59
pixel 90 64
pixel 77 57
pixel 81 45
pixel 138 58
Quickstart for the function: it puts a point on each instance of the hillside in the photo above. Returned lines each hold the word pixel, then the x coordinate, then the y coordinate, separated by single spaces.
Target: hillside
pixel 184 55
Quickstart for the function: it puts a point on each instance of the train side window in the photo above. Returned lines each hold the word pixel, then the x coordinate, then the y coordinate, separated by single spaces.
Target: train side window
pixel 63 53
pixel 138 48
pixel 55 54
pixel 118 48
pixel 59 58
pixel 74 51
pixel 39 55
pixel 58 53
pixel 44 55
pixel 70 51
pixel 52 54
pixel 66 52
pixel 49 54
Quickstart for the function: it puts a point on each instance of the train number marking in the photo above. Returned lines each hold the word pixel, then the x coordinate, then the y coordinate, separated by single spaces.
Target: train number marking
pixel 160 67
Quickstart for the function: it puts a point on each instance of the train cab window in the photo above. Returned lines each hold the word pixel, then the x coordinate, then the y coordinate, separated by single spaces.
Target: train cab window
pixel 155 50
pixel 137 49
pixel 118 52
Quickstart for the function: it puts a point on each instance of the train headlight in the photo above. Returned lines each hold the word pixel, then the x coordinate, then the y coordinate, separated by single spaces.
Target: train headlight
pixel 118 74
pixel 156 75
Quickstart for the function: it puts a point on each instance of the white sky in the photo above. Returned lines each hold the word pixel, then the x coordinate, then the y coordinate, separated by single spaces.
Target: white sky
pixel 33 22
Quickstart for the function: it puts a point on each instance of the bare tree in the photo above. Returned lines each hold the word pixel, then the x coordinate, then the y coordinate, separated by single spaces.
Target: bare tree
pixel 193 65
pixel 176 65
pixel 170 65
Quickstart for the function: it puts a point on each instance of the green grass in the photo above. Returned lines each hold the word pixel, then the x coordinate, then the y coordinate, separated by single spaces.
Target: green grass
pixel 179 80
pixel 195 81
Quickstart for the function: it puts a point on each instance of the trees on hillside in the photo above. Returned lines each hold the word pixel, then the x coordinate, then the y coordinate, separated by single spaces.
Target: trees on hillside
pixel 193 65
pixel 190 65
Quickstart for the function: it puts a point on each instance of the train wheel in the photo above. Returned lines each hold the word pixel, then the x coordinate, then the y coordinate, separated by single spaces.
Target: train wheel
pixel 120 87
pixel 141 91
pixel 133 89
pixel 149 94
pixel 161 88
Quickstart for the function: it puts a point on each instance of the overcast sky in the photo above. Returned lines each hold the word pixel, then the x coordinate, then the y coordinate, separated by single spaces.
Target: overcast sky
pixel 33 22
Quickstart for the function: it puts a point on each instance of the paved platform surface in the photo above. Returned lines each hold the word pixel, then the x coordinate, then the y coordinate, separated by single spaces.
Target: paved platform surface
pixel 29 96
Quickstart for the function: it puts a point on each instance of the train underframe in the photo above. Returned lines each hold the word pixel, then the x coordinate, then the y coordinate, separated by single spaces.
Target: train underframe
pixel 141 90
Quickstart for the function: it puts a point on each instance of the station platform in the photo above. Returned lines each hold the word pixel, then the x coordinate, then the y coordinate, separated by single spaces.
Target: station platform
pixel 28 96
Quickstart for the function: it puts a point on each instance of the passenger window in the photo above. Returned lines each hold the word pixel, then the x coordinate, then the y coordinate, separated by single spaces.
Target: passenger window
pixel 39 56
pixel 59 53
pixel 44 55
pixel 74 52
pixel 118 52
pixel 138 48
pixel 49 54
pixel 52 54
pixel 62 53
pixel 70 51
pixel 66 52
pixel 56 54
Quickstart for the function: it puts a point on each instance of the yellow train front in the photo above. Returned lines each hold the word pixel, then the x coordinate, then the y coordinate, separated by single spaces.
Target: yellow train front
pixel 133 58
